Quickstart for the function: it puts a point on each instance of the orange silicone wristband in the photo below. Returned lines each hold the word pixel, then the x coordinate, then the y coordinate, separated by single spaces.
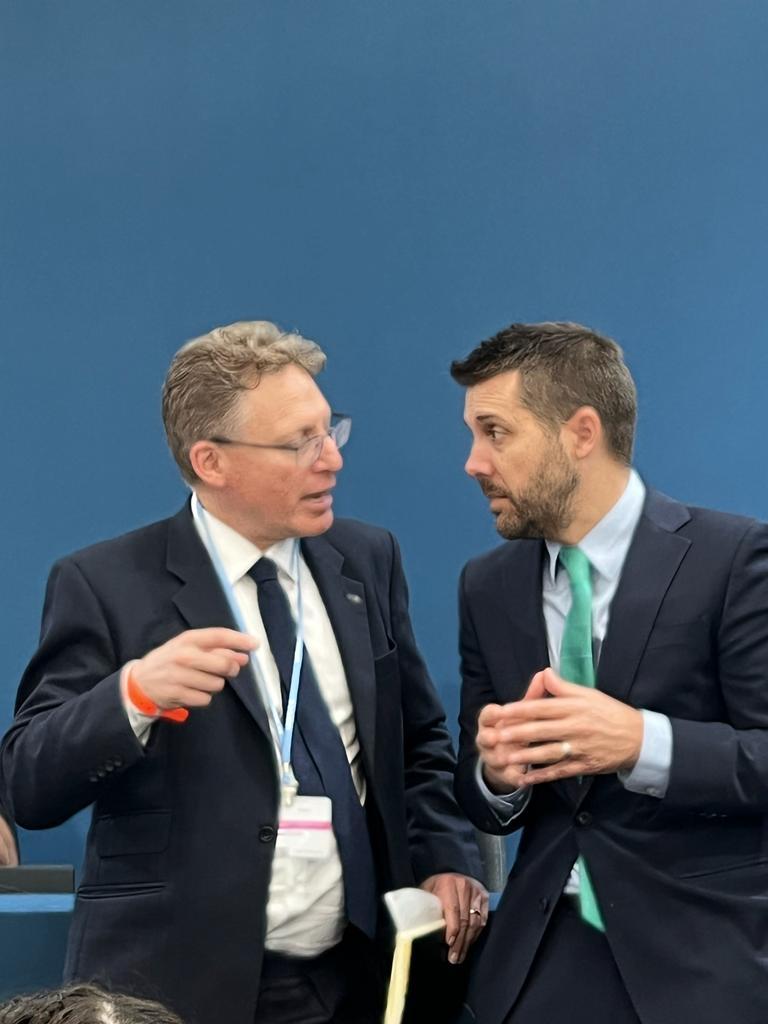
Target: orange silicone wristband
pixel 142 703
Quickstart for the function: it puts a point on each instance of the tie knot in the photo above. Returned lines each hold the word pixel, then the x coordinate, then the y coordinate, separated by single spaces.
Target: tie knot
pixel 576 564
pixel 263 571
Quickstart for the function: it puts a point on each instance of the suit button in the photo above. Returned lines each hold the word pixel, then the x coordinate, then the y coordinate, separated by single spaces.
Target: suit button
pixel 544 904
pixel 93 777
pixel 101 773
pixel 118 762
pixel 583 818
pixel 266 834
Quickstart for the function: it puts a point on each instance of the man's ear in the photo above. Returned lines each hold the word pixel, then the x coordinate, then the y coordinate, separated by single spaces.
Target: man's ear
pixel 209 463
pixel 583 432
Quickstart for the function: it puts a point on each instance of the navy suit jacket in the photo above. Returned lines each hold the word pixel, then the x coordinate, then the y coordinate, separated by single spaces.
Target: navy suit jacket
pixel 682 881
pixel 173 898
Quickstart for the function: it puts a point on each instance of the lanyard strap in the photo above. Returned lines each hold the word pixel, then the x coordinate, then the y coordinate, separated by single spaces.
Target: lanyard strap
pixel 283 732
pixel 298 659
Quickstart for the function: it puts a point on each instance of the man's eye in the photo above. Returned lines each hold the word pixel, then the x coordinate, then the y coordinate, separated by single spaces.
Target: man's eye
pixel 495 433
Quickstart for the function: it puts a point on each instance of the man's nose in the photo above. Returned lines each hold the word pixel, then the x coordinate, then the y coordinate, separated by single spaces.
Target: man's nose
pixel 330 458
pixel 476 464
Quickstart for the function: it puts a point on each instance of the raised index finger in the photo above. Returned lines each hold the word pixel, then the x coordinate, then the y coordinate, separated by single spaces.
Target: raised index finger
pixel 220 636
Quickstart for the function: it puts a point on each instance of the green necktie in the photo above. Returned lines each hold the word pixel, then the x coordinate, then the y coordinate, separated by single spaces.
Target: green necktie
pixel 577 666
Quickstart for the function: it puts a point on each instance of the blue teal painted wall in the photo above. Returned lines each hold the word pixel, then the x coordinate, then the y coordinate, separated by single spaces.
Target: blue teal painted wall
pixel 397 179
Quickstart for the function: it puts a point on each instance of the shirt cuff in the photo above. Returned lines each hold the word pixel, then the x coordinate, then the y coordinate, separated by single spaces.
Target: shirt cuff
pixel 506 806
pixel 141 724
pixel 650 776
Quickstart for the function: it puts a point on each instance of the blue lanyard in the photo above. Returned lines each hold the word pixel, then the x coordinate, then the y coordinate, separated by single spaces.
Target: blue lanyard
pixel 283 732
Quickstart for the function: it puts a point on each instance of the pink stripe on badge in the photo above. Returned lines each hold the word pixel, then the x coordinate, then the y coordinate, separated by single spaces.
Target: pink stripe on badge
pixel 315 825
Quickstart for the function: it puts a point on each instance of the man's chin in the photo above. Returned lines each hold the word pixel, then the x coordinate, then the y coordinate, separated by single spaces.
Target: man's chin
pixel 515 529
pixel 317 524
pixel 505 528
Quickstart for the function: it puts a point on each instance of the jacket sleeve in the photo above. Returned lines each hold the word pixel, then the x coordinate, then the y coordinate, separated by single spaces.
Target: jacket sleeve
pixel 439 836
pixel 70 731
pixel 722 767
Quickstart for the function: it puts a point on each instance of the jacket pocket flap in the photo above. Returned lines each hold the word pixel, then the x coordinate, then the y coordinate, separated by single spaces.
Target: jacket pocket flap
pixel 145 832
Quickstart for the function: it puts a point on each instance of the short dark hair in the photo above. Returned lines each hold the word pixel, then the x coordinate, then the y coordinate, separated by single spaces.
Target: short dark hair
pixel 562 367
pixel 84 1004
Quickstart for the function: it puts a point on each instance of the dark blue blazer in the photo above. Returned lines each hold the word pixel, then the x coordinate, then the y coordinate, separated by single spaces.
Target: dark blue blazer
pixel 683 880
pixel 174 891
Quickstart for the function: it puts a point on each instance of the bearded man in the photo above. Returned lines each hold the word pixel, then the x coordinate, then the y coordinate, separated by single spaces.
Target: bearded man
pixel 615 706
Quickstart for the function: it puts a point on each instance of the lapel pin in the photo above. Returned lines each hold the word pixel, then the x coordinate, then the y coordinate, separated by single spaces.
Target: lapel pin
pixel 355 598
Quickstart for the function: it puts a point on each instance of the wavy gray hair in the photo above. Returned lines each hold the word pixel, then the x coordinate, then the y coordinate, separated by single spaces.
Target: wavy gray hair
pixel 209 373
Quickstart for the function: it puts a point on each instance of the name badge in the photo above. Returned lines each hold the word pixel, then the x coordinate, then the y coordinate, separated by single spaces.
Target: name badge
pixel 305 828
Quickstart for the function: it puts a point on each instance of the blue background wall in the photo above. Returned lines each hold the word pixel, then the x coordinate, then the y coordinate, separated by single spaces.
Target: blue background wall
pixel 397 179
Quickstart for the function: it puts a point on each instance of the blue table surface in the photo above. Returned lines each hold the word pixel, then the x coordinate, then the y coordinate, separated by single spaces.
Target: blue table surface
pixel 37 903
pixel 63 903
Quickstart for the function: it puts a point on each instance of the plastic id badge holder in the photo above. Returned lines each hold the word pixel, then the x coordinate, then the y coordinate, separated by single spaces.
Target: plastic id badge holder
pixel 305 828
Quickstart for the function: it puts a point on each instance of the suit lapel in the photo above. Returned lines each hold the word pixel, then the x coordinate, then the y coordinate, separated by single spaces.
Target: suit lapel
pixel 202 602
pixel 527 627
pixel 523 619
pixel 652 561
pixel 344 600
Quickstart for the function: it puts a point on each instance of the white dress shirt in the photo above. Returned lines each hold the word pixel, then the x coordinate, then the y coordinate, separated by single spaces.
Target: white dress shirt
pixel 606 546
pixel 305 907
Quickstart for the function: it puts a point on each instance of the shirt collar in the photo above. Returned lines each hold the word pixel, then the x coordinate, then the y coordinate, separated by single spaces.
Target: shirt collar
pixel 237 553
pixel 607 543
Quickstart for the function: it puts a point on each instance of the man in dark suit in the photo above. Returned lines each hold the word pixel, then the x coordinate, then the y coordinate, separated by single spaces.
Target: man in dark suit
pixel 615 707
pixel 209 882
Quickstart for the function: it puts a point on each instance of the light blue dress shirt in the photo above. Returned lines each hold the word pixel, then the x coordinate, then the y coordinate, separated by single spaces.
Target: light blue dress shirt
pixel 606 546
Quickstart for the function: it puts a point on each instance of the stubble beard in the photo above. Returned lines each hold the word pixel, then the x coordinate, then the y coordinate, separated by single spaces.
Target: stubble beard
pixel 544 510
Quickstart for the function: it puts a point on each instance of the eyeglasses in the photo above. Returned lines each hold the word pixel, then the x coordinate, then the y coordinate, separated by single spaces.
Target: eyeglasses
pixel 308 452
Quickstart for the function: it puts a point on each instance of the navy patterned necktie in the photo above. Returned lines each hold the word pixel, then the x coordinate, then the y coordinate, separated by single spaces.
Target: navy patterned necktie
pixel 318 756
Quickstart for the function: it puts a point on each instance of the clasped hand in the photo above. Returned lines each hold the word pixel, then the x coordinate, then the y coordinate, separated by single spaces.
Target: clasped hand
pixel 582 731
